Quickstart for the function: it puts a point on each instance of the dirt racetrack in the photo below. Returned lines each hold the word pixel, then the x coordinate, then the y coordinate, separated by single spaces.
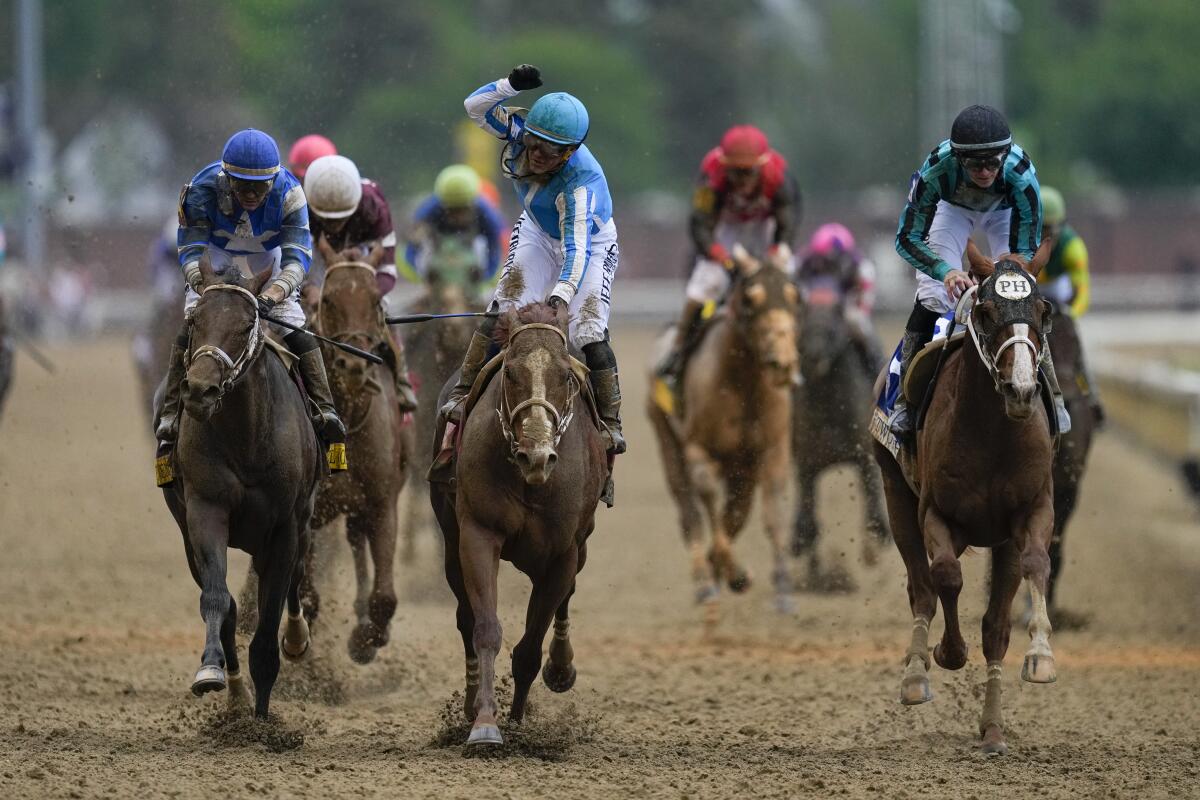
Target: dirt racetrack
pixel 100 635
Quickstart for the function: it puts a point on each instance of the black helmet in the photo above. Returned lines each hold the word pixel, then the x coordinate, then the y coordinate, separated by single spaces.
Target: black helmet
pixel 978 130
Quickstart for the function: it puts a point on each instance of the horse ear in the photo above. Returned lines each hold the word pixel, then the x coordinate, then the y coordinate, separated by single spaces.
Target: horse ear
pixel 1042 257
pixel 981 265
pixel 743 261
pixel 260 279
pixel 326 250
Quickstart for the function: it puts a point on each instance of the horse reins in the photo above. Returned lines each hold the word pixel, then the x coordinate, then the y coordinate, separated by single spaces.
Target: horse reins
pixel 253 344
pixel 344 337
pixel 560 421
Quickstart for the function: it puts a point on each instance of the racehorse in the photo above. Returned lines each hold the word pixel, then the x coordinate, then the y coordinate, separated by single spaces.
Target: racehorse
pixel 733 432
pixel 530 470
pixel 246 465
pixel 366 493
pixel 1071 459
pixel 7 357
pixel 982 478
pixel 434 352
pixel 826 432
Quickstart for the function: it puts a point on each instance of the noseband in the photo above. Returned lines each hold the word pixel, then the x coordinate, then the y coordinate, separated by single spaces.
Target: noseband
pixel 234 367
pixel 980 340
pixel 508 413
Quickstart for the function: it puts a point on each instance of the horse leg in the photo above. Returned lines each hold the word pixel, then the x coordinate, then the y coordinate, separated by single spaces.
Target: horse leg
pixel 479 554
pixel 296 635
pixel 1035 567
pixel 239 692
pixel 416 514
pixel 208 532
pixel 774 485
pixel 902 506
pixel 276 576
pixel 373 600
pixel 1006 578
pixel 875 521
pixel 248 603
pixel 702 472
pixel 951 652
pixel 739 497
pixel 382 604
pixel 550 590
pixel 804 528
pixel 559 672
pixel 310 600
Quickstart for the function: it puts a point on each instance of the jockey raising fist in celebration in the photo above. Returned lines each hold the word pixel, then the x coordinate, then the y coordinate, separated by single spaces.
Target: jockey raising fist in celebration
pixel 351 213
pixel 564 246
pixel 744 196
pixel 247 212
pixel 977 180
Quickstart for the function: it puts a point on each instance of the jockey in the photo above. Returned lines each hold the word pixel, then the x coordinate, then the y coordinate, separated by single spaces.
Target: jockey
pixel 457 209
pixel 831 252
pixel 247 211
pixel 745 196
pixel 306 150
pixel 350 212
pixel 564 245
pixel 978 179
pixel 1065 279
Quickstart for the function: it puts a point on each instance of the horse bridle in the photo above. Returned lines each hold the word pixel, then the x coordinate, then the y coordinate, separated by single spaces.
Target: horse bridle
pixel 342 336
pixel 980 341
pixel 254 343
pixel 508 413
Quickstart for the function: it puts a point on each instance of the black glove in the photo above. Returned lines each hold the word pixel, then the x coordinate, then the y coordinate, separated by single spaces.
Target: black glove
pixel 265 305
pixel 556 302
pixel 525 77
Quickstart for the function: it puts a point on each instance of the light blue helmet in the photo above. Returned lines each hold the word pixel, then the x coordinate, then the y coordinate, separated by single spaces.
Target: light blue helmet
pixel 558 117
pixel 251 155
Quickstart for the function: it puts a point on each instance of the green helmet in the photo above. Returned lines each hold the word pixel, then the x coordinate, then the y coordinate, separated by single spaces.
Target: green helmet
pixel 457 186
pixel 1054 210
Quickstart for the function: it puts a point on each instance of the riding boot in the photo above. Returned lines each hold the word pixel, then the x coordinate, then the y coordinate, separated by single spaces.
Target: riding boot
pixel 670 368
pixel 903 419
pixel 405 395
pixel 1056 395
pixel 316 383
pixel 607 390
pixel 166 429
pixel 473 361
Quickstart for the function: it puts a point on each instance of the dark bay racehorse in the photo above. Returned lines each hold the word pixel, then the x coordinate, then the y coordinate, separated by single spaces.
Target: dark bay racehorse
pixel 246 467
pixel 530 471
pixel 982 479
pixel 367 492
pixel 7 356
pixel 827 430
pixel 734 434
pixel 434 352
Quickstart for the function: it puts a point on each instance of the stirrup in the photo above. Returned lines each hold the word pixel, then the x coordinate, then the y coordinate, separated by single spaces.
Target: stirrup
pixel 164 475
pixel 1063 416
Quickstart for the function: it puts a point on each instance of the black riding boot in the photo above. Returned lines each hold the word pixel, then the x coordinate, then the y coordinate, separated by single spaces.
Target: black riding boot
pixel 690 322
pixel 602 366
pixel 917 333
pixel 473 361
pixel 316 383
pixel 166 427
pixel 1060 406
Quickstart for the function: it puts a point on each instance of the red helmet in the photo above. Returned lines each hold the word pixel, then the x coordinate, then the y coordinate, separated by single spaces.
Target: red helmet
pixel 744 146
pixel 308 149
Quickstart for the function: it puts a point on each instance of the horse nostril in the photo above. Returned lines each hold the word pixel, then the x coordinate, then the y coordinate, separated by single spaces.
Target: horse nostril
pixel 523 460
pixel 550 459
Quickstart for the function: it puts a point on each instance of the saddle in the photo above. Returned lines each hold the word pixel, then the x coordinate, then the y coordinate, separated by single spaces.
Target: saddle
pixel 450 435
pixel 335 454
pixel 666 397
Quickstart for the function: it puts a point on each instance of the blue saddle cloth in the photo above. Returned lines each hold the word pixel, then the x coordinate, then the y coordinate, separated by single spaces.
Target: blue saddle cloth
pixel 886 402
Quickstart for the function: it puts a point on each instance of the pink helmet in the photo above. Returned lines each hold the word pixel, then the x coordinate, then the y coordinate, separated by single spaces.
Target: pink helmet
pixel 830 239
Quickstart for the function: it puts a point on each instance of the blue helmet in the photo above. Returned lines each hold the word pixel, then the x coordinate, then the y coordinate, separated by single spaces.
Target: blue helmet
pixel 558 117
pixel 251 155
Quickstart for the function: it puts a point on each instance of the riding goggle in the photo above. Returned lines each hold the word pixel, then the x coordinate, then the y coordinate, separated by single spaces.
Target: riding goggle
pixel 255 189
pixel 545 148
pixel 741 173
pixel 981 163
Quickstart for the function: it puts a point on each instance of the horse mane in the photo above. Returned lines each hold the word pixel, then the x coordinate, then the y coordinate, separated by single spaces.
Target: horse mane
pixel 525 315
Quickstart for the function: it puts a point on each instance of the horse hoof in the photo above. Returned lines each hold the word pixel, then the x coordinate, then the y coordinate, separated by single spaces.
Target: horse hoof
pixel 361 644
pixel 993 742
pixel 706 593
pixel 296 638
pixel 208 679
pixel 485 736
pixel 739 582
pixel 951 661
pixel 1039 669
pixel 915 690
pixel 558 679
pixel 239 692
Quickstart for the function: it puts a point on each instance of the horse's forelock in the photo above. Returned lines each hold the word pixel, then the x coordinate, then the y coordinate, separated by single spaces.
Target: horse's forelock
pixel 525 315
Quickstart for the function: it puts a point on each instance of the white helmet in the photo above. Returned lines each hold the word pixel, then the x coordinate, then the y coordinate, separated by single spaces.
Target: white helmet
pixel 333 187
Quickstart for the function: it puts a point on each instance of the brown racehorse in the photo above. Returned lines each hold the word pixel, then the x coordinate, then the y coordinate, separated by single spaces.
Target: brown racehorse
pixel 366 493
pixel 734 434
pixel 434 352
pixel 983 473
pixel 246 465
pixel 530 471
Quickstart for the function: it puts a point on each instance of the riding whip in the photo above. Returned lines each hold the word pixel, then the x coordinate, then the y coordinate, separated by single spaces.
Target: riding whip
pixel 407 318
pixel 349 348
